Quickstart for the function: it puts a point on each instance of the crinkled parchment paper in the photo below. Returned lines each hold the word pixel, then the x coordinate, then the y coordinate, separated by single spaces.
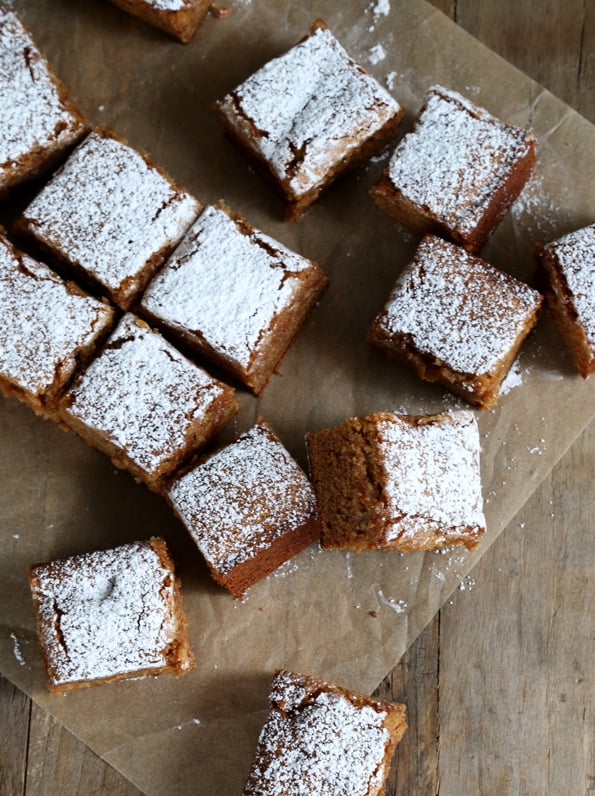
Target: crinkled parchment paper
pixel 337 615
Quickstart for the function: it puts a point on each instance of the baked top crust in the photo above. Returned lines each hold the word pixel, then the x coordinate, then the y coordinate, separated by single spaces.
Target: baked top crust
pixel 305 111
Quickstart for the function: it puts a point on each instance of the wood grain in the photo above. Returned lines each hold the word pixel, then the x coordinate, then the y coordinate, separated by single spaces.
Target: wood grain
pixel 500 687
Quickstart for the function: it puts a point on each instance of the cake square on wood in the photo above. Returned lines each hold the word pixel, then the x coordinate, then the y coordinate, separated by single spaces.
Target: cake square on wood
pixel 308 116
pixel 109 615
pixel 249 508
pixel 567 275
pixel 456 319
pixel 399 482
pixel 179 18
pixel 458 172
pixel 109 217
pixel 320 738
pixel 39 122
pixel 234 295
pixel 48 329
pixel 145 405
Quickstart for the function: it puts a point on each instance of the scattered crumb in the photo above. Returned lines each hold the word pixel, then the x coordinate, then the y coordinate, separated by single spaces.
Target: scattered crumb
pixel 398 606
pixel 220 12
pixel 373 614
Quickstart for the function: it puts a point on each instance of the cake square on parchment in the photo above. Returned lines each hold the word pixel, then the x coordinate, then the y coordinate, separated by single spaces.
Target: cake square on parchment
pixel 109 217
pixel 308 116
pixel 399 482
pixel 179 18
pixel 111 614
pixel 320 738
pixel 249 508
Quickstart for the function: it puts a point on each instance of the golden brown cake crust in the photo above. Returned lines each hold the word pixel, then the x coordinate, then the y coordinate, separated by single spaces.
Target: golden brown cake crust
pixel 181 20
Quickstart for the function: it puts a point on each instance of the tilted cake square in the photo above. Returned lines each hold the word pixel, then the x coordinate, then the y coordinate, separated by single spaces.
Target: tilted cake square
pixel 458 172
pixel 179 18
pixel 109 615
pixel 249 508
pixel 308 116
pixel 457 320
pixel 109 217
pixel 399 482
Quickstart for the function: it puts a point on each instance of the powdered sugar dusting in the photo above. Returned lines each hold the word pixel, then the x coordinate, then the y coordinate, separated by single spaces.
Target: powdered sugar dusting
pixel 455 158
pixel 33 115
pixel 43 324
pixel 432 473
pixel 376 54
pixel 143 394
pixel 243 498
pixel 167 5
pixel 458 308
pixel 318 740
pixel 105 613
pixel 576 256
pixel 226 285
pixel 75 214
pixel 16 648
pixel 309 108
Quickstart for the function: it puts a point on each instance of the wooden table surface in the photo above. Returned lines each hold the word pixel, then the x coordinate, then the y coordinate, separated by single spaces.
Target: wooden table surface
pixel 500 687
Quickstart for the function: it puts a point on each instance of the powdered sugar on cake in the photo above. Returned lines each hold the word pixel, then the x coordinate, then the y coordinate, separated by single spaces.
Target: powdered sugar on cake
pixel 33 115
pixel 455 158
pixel 75 212
pixel 319 741
pixel 309 108
pixel 43 324
pixel 242 498
pixel 143 394
pixel 225 285
pixel 457 308
pixel 168 5
pixel 106 613
pixel 576 255
pixel 432 476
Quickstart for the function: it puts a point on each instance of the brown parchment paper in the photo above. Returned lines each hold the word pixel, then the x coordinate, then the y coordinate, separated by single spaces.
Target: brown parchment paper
pixel 341 616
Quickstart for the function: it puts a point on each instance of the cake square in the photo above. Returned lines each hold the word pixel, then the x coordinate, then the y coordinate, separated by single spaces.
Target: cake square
pixel 48 329
pixel 399 482
pixel 456 319
pixel 249 508
pixel 458 172
pixel 567 275
pixel 179 18
pixel 109 615
pixel 234 295
pixel 308 116
pixel 145 405
pixel 320 738
pixel 109 217
pixel 39 122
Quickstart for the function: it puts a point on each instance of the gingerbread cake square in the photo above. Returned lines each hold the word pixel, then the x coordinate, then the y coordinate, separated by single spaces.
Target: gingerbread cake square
pixel 234 295
pixel 458 172
pixel 249 508
pixel 39 122
pixel 567 276
pixel 109 615
pixel 48 329
pixel 145 405
pixel 109 217
pixel 308 116
pixel 457 320
pixel 320 738
pixel 179 18
pixel 399 482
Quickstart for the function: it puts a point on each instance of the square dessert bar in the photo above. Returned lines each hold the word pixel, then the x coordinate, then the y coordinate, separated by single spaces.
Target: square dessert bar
pixel 249 508
pixel 109 217
pixel 179 18
pixel 109 615
pixel 234 295
pixel 399 482
pixel 456 319
pixel 309 115
pixel 567 275
pixel 145 405
pixel 458 172
pixel 48 329
pixel 320 738
pixel 38 121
